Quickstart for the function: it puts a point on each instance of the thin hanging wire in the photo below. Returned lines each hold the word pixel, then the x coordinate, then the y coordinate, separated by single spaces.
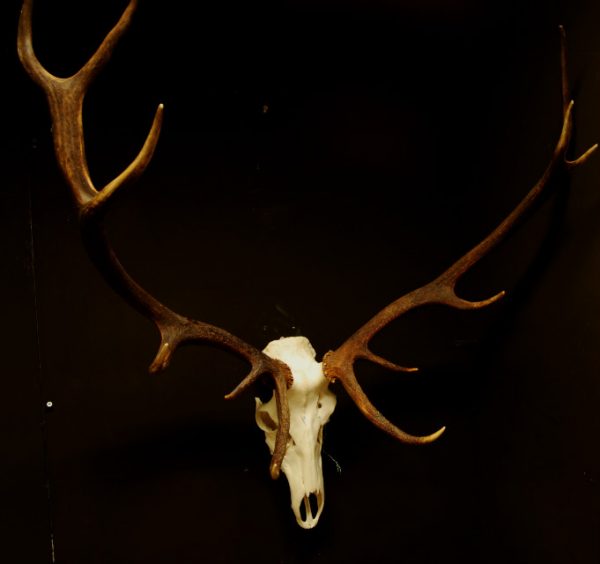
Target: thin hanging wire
pixel 39 373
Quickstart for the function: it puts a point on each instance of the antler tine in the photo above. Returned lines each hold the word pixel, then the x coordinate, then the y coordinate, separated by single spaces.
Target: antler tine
pixel 339 364
pixel 25 48
pixel 65 98
pixel 331 367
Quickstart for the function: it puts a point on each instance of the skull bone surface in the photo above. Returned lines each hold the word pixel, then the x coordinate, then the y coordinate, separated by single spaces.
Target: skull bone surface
pixel 310 403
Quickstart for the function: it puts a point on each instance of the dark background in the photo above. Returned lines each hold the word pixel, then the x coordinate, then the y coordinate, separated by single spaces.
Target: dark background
pixel 318 159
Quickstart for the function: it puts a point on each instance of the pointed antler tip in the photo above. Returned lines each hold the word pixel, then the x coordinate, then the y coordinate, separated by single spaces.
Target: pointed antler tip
pixel 162 358
pixel 233 394
pixel 157 367
pixel 434 436
pixel 493 299
pixel 563 34
pixel 274 471
pixel 583 158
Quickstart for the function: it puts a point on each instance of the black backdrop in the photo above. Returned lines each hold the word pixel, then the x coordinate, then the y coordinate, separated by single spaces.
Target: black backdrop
pixel 318 159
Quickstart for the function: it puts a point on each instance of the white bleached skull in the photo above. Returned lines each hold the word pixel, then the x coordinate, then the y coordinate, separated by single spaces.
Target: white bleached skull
pixel 310 403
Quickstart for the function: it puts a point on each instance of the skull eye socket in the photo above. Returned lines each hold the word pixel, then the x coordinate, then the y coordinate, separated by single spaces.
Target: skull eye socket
pixel 267 421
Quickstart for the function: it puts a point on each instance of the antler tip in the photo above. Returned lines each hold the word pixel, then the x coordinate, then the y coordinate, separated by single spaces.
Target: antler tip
pixel 162 359
pixel 233 394
pixel 156 367
pixel 493 299
pixel 274 470
pixel 563 36
pixel 583 158
pixel 434 436
pixel 461 303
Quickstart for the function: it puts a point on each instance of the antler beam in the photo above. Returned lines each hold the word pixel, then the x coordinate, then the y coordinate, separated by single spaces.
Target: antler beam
pixel 65 98
pixel 339 364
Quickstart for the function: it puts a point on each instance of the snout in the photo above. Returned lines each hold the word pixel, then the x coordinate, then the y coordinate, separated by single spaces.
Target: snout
pixel 309 509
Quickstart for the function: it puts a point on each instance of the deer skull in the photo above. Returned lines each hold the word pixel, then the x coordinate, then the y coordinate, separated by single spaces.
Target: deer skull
pixel 311 403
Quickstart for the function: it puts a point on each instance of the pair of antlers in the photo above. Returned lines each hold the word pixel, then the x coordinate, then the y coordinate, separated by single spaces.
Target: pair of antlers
pixel 65 98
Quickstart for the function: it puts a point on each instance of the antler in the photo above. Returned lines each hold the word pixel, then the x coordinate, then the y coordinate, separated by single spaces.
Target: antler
pixel 339 364
pixel 65 98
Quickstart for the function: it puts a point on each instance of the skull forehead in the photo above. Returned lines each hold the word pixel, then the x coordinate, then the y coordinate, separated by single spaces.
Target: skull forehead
pixel 299 355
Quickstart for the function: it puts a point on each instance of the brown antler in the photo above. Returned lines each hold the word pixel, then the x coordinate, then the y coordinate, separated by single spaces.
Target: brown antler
pixel 65 98
pixel 339 364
